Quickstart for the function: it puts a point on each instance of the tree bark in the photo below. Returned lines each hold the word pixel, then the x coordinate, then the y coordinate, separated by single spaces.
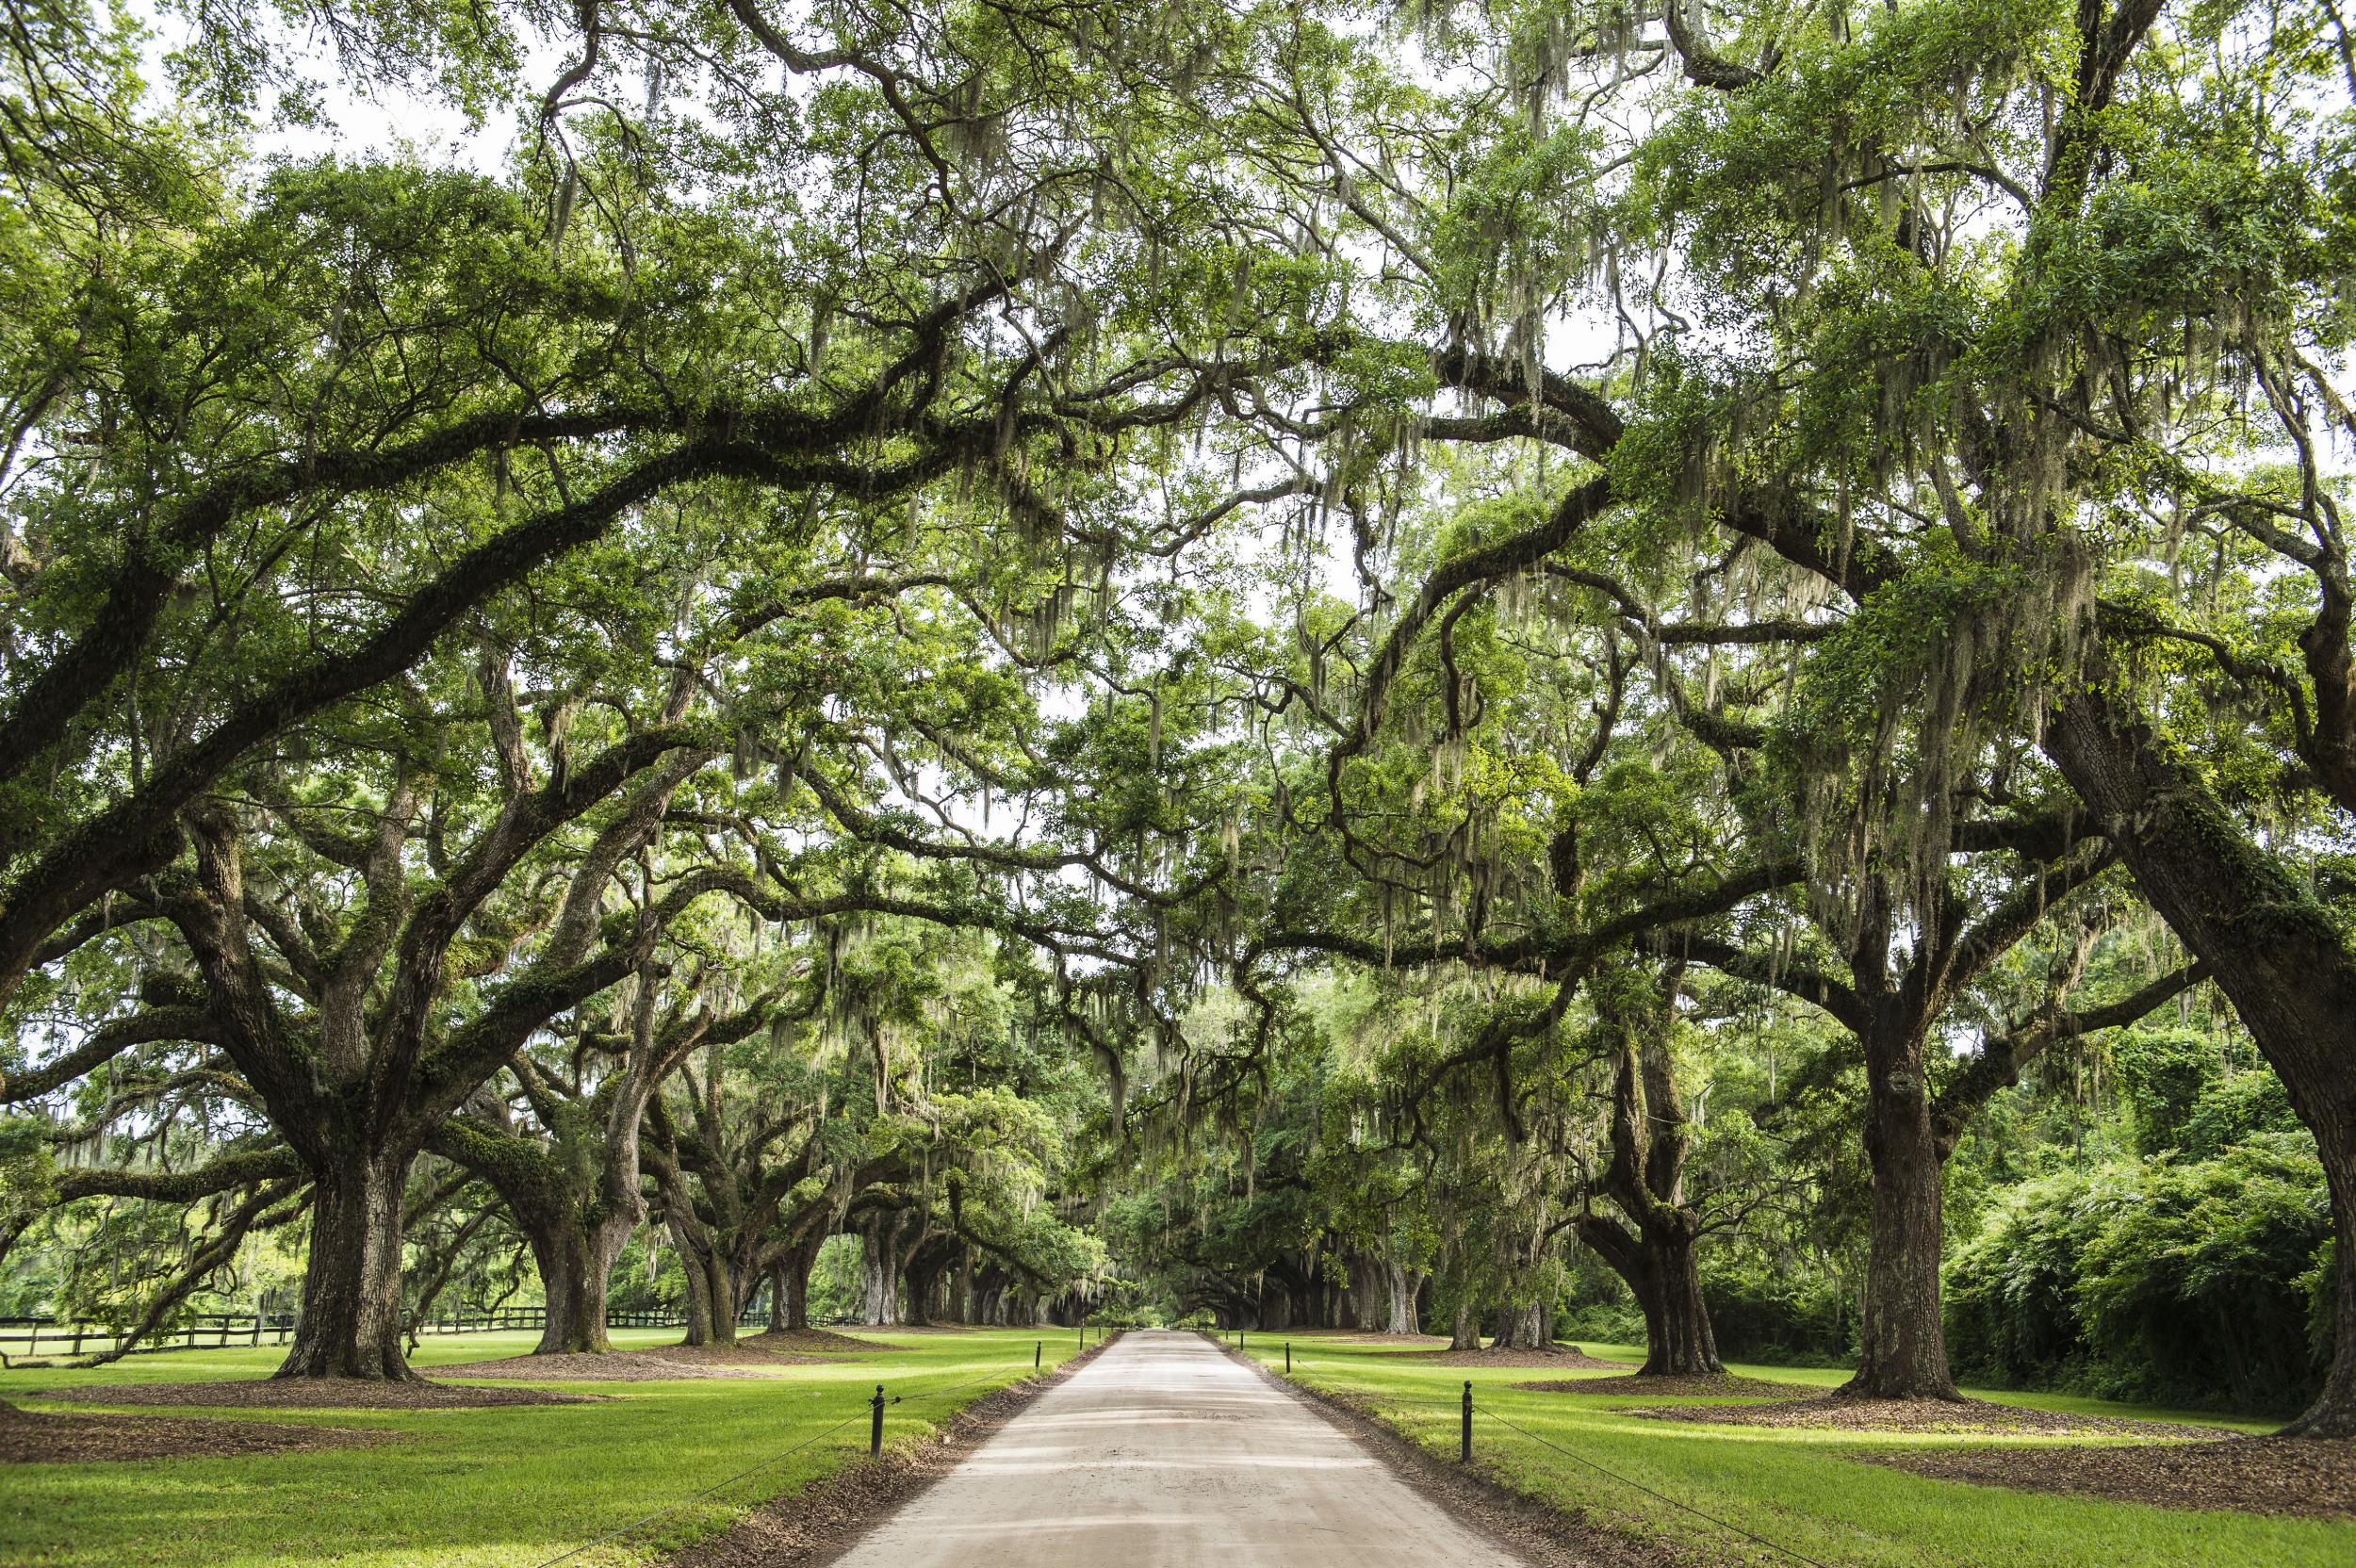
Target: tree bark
pixel 1465 1334
pixel 575 1271
pixel 350 1321
pixel 791 1309
pixel 880 1302
pixel 1655 1253
pixel 1401 1317
pixel 711 1290
pixel 916 1300
pixel 1370 1292
pixel 1679 1340
pixel 1529 1327
pixel 1904 1343
pixel 2271 948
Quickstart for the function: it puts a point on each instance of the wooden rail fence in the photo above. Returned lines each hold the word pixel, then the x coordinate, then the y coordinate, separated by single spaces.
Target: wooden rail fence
pixel 28 1338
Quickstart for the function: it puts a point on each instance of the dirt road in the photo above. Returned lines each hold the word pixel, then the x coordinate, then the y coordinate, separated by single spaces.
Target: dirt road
pixel 1163 1453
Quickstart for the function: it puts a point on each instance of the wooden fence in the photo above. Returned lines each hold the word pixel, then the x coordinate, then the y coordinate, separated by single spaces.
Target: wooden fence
pixel 28 1338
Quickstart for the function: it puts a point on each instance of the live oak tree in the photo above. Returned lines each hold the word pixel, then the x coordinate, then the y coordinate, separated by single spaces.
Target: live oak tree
pixel 1981 305
pixel 1487 504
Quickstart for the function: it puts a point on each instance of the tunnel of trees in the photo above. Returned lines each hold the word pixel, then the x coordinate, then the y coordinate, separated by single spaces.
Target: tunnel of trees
pixel 1517 672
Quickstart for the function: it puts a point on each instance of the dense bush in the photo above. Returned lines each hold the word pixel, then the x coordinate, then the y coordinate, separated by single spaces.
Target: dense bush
pixel 1799 1317
pixel 2184 1099
pixel 2187 1280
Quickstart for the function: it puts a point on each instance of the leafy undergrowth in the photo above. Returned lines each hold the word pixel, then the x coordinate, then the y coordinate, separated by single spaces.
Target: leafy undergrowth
pixel 499 1488
pixel 1807 1489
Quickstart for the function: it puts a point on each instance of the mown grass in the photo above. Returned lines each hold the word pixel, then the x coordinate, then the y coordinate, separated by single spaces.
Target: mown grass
pixel 1803 1488
pixel 506 1488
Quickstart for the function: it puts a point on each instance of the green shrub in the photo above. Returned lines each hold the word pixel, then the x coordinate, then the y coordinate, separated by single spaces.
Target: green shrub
pixel 2192 1282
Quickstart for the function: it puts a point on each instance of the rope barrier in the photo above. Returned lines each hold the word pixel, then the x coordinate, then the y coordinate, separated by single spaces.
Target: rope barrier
pixel 755 1469
pixel 1793 1553
pixel 697 1497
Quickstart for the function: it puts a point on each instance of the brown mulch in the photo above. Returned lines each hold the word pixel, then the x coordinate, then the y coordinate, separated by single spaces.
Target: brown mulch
pixel 1570 1358
pixel 821 1521
pixel 43 1437
pixel 658 1363
pixel 1919 1415
pixel 818 1341
pixel 311 1394
pixel 1359 1337
pixel 2312 1478
pixel 1336 1336
pixel 1722 1384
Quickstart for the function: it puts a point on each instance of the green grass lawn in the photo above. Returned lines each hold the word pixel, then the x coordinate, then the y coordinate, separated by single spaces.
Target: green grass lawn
pixel 1797 1487
pixel 505 1488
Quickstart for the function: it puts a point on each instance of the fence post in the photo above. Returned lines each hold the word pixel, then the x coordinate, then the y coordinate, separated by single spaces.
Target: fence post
pixel 1288 1358
pixel 1465 1456
pixel 874 1434
pixel 1036 1351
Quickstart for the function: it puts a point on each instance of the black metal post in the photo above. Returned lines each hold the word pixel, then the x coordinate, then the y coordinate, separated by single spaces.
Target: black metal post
pixel 1464 1457
pixel 1036 1351
pixel 1288 1358
pixel 875 1434
pixel 1238 1341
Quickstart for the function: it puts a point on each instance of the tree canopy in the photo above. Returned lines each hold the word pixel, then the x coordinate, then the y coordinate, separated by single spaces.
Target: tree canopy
pixel 1467 667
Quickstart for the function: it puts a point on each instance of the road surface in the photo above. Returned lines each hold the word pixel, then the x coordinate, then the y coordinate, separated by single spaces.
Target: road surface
pixel 1163 1453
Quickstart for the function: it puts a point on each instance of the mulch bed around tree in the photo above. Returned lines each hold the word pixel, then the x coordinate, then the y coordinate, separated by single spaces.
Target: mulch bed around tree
pixel 1919 1415
pixel 2312 1478
pixel 821 1341
pixel 658 1364
pixel 1570 1358
pixel 1720 1384
pixel 45 1437
pixel 1337 1336
pixel 1367 1338
pixel 311 1394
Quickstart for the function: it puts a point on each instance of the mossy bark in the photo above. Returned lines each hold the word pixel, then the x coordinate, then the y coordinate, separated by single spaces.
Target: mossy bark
pixel 350 1319
pixel 2272 949
pixel 1904 1343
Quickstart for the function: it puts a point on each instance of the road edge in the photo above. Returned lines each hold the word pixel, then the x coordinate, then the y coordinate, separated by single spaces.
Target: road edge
pixel 1475 1496
pixel 818 1523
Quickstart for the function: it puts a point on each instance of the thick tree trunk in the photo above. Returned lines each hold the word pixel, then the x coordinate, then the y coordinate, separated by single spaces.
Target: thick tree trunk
pixel 1905 1353
pixel 350 1321
pixel 881 1301
pixel 1525 1328
pixel 1465 1334
pixel 1678 1342
pixel 917 1301
pixel 1400 1319
pixel 2334 1413
pixel 698 1305
pixel 711 1291
pixel 790 1309
pixel 1655 1252
pixel 1369 1284
pixel 2271 948
pixel 721 1291
pixel 576 1267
